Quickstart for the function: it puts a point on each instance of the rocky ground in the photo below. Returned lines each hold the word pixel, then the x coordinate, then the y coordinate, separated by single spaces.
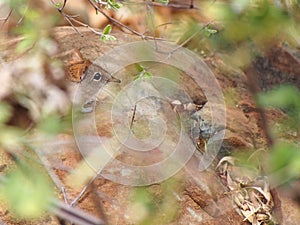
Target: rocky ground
pixel 199 197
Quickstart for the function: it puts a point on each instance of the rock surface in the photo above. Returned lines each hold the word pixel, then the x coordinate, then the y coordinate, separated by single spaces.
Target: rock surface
pixel 199 195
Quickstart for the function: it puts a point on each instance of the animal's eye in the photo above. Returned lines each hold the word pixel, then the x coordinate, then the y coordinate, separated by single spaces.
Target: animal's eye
pixel 97 76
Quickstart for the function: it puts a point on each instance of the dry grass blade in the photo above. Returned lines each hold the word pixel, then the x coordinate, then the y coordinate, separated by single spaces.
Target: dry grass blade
pixel 75 215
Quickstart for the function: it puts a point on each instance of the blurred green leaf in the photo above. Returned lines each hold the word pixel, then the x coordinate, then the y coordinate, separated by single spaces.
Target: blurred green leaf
pixel 51 124
pixel 5 112
pixel 58 5
pixel 284 162
pixel 282 97
pixel 282 155
pixel 152 206
pixel 139 67
pixel 285 97
pixel 163 1
pixel 18 4
pixel 27 192
pixel 10 137
pixel 209 31
pixel 260 22
pixel 142 72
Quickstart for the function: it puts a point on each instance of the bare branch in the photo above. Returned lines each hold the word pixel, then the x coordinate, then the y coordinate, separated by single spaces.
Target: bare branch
pixel 118 23
pixel 86 25
pixel 190 37
pixel 75 215
pixel 85 188
pixel 68 19
pixel 192 6
pixel 5 19
pixel 63 6
pixel 175 6
pixel 23 16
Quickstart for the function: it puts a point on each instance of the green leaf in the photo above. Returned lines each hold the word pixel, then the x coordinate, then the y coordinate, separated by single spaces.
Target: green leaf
pixel 163 1
pixel 51 124
pixel 208 31
pixel 112 4
pixel 107 37
pixel 147 75
pixel 143 73
pixel 284 162
pixel 107 29
pixel 27 192
pixel 5 112
pixel 285 97
pixel 58 5
pixel 10 137
pixel 25 44
pixel 282 155
pixel 139 67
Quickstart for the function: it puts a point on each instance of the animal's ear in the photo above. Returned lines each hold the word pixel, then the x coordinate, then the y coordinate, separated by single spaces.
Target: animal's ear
pixel 87 64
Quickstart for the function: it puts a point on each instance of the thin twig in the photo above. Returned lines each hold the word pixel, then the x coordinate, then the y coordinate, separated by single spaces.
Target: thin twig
pixel 193 35
pixel 254 89
pixel 87 26
pixel 120 24
pixel 187 40
pixel 71 19
pixel 77 216
pixel 97 201
pixel 192 6
pixel 63 6
pixel 170 5
pixel 1 222
pixel 68 19
pixel 5 19
pixel 8 15
pixel 133 116
pixel 23 16
pixel 63 191
pixel 84 189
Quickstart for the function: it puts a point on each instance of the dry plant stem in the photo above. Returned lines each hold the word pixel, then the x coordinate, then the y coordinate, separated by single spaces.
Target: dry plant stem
pixel 175 6
pixel 97 201
pixel 63 191
pixel 187 40
pixel 133 117
pixel 63 5
pixel 254 89
pixel 85 25
pixel 76 215
pixel 84 189
pixel 5 19
pixel 48 168
pixel 71 19
pixel 23 16
pixel 1 222
pixel 68 18
pixel 192 6
pixel 118 23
